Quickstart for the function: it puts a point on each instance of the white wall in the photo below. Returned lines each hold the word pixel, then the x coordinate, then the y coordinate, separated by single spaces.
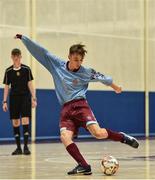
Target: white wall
pixel 112 31
pixel 151 45
pixel 13 19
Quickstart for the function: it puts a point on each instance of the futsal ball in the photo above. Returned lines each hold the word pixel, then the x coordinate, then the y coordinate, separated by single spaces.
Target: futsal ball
pixel 109 165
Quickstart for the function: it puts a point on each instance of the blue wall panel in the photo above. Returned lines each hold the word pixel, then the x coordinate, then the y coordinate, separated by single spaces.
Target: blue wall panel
pixel 47 114
pixel 120 112
pixel 6 131
pixel 152 113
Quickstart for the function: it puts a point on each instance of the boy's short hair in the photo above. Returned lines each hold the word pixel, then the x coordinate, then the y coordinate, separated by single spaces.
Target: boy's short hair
pixel 16 52
pixel 78 48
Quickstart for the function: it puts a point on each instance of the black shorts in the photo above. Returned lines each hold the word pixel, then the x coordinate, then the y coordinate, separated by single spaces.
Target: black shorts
pixel 20 106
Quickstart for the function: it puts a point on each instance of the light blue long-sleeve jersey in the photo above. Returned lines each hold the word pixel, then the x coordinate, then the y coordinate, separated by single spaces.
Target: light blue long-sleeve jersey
pixel 68 85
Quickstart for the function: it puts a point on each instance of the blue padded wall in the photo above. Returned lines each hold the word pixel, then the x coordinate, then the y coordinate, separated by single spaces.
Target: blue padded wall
pixel 120 112
pixel 152 112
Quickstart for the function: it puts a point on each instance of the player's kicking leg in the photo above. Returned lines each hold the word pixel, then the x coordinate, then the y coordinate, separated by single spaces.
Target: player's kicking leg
pixel 102 133
pixel 83 167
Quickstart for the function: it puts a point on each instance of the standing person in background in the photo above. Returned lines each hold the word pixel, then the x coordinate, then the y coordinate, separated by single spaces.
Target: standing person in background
pixel 21 99
pixel 71 81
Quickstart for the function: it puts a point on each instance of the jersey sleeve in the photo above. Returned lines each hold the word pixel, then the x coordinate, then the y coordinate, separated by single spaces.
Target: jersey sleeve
pixel 6 79
pixel 48 60
pixel 30 76
pixel 98 77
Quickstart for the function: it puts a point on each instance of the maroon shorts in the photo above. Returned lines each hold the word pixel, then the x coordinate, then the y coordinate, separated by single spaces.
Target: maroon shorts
pixel 76 114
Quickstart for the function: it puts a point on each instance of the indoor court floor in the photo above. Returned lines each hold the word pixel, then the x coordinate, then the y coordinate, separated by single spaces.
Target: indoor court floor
pixel 51 161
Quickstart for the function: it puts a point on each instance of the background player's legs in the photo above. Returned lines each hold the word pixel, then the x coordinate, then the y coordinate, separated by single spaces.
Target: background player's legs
pixel 71 147
pixel 102 133
pixel 25 123
pixel 16 128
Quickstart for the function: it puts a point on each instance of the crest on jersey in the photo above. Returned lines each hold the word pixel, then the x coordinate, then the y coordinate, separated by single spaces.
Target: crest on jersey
pixel 18 73
pixel 75 81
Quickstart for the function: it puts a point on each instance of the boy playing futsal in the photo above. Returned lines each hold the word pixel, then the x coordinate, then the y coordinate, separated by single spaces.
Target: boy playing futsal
pixel 71 81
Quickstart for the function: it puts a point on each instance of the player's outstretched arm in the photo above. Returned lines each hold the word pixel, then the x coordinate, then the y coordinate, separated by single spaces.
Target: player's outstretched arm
pixel 47 59
pixel 35 49
pixel 98 77
pixel 107 80
pixel 116 88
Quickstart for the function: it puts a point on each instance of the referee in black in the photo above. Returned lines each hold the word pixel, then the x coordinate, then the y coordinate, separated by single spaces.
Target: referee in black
pixel 21 99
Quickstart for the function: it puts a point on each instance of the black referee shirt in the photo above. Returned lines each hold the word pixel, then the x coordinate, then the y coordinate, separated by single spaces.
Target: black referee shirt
pixel 18 79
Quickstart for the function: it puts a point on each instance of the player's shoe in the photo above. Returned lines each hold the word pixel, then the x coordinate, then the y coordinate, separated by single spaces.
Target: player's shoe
pixel 18 151
pixel 80 170
pixel 131 141
pixel 26 151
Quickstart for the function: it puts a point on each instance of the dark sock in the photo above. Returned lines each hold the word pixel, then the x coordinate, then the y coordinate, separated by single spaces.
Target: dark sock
pixel 75 153
pixel 25 134
pixel 17 136
pixel 114 135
